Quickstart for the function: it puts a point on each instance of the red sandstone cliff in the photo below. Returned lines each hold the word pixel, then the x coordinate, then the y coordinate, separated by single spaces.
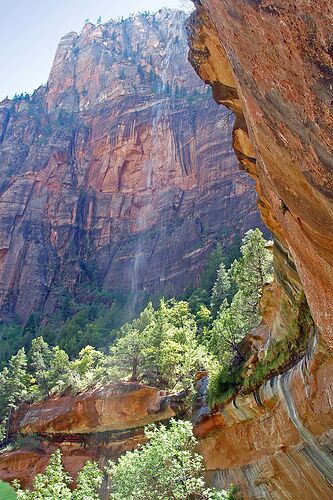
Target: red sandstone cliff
pixel 271 64
pixel 100 424
pixel 119 170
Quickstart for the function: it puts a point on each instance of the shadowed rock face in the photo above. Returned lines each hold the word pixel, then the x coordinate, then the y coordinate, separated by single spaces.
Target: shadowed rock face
pixel 271 64
pixel 118 171
pixel 100 424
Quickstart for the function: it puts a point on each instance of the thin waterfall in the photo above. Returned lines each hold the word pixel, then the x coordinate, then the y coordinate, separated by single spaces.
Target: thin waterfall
pixel 162 111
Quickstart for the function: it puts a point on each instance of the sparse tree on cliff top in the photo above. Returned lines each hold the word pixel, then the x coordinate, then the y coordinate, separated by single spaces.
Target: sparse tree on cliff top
pixel 126 355
pixel 160 348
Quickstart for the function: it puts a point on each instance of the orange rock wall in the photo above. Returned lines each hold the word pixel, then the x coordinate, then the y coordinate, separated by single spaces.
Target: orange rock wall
pixel 271 64
pixel 100 424
pixel 109 408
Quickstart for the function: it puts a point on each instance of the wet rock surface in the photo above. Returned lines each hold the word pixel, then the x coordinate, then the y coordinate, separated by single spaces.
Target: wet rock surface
pixel 270 63
pixel 276 441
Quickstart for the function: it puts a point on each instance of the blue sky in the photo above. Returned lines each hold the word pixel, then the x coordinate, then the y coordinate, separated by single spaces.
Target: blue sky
pixel 30 31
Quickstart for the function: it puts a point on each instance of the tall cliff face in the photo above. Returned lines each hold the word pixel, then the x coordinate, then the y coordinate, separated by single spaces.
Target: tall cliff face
pixel 271 64
pixel 273 68
pixel 119 170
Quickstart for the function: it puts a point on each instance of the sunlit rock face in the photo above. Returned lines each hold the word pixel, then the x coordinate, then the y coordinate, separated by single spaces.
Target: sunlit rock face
pixel 271 64
pixel 100 424
pixel 118 171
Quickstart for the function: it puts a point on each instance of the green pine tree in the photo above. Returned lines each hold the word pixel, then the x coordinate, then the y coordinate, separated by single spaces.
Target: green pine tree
pixel 220 289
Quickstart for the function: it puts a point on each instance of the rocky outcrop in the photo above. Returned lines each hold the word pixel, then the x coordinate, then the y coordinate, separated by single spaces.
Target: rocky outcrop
pixel 118 172
pixel 275 442
pixel 115 407
pixel 100 424
pixel 271 64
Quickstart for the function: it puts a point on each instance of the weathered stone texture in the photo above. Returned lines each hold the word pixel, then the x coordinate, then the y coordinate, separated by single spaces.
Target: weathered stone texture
pixel 119 170
pixel 99 424
pixel 271 64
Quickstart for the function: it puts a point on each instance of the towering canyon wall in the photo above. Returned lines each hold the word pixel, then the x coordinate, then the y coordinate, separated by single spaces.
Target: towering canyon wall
pixel 118 171
pixel 271 64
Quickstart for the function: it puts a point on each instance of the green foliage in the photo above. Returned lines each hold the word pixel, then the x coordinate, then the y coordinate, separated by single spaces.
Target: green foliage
pixel 209 274
pixel 10 339
pixel 198 298
pixel 252 271
pixel 223 383
pixel 7 492
pixel 203 318
pixel 54 483
pixel 89 481
pixel 164 468
pixel 249 274
pixel 160 348
pixel 228 330
pixel 14 383
pixel 29 330
pixel 72 327
pixel 221 288
pixel 49 367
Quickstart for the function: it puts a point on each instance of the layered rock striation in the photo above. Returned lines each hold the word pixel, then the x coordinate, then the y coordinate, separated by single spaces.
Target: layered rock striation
pixel 271 64
pixel 117 172
pixel 99 424
pixel 274 442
